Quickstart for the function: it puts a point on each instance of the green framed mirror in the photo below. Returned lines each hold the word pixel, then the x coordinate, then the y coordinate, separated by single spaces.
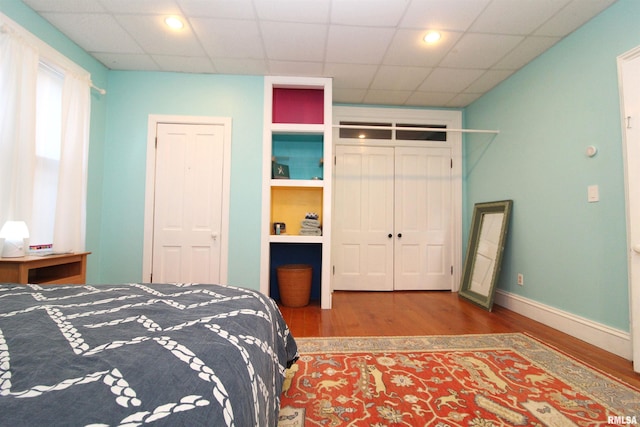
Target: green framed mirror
pixel 484 252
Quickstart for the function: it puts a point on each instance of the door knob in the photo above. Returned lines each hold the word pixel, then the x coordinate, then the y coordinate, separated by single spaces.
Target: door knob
pixel 390 235
pixel 214 236
pixel 636 248
pixel 399 235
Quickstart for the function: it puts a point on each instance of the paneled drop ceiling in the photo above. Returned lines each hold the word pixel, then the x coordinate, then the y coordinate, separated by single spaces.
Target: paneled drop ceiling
pixel 373 49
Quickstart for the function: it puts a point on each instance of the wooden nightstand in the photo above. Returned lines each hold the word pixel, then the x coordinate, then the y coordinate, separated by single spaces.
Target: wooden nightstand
pixel 68 268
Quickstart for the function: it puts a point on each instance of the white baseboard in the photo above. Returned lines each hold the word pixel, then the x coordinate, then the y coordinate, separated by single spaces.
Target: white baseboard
pixel 613 340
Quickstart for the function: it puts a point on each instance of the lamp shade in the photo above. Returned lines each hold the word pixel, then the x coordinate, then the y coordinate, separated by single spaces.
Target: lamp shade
pixel 14 233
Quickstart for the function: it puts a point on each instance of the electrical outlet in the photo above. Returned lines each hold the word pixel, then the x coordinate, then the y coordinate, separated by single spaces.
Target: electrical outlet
pixel 520 279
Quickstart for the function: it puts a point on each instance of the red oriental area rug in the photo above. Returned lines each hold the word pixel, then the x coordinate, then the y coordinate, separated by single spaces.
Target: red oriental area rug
pixel 469 380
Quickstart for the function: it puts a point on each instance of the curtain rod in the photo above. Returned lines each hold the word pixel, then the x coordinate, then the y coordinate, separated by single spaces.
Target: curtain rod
pixel 100 90
pixel 394 127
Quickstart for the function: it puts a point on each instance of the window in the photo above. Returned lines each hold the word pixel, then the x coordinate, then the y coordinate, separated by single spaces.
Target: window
pixel 368 130
pixel 352 129
pixel 421 135
pixel 47 153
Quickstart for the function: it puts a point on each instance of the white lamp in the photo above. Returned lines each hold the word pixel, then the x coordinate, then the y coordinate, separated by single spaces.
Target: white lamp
pixel 14 233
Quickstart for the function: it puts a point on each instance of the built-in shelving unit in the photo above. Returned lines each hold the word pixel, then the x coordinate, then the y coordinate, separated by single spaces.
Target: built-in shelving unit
pixel 297 135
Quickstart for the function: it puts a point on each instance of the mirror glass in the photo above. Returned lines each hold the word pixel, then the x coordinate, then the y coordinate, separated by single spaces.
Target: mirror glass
pixel 484 252
pixel 488 243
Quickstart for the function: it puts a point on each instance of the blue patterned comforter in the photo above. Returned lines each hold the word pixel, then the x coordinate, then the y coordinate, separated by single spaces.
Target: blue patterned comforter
pixel 129 355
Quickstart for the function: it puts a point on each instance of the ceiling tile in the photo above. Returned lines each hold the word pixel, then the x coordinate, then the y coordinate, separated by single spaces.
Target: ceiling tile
pixel 357 45
pixel 75 6
pixel 572 16
pixel 454 80
pixel 480 50
pixel 399 78
pixel 379 13
pixel 158 7
pixel 488 81
pixel 295 68
pixel 155 38
pixel 124 61
pixel 516 17
pixel 229 38
pixel 181 64
pixel 529 49
pixel 452 15
pixel 349 96
pixel 294 42
pixel 94 32
pixel 234 9
pixel 462 100
pixel 355 76
pixel 257 67
pixel 309 11
pixel 430 99
pixel 393 97
pixel 408 48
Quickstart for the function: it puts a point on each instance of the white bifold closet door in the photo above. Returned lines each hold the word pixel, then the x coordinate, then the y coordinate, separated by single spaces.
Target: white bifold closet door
pixel 392 218
pixel 363 218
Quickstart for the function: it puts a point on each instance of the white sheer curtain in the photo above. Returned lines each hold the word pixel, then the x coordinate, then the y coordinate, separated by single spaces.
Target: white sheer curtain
pixel 19 199
pixel 70 222
pixel 18 73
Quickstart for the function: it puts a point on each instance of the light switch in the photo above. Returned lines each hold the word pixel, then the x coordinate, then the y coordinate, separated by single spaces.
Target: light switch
pixel 593 194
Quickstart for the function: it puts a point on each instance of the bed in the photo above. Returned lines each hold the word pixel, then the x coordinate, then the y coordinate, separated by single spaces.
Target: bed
pixel 167 354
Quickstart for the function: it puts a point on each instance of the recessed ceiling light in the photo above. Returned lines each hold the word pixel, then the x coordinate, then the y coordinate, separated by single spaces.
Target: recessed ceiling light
pixel 174 23
pixel 432 37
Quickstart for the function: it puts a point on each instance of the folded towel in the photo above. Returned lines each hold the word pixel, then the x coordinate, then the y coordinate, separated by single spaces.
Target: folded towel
pixel 310 232
pixel 310 223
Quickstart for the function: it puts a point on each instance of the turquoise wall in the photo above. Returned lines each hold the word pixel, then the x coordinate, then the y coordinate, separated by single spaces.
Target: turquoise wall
pixel 573 254
pixel 26 17
pixel 133 96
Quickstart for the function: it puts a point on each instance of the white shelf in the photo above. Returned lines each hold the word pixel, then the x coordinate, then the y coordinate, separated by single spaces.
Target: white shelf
pixel 293 238
pixel 294 128
pixel 303 183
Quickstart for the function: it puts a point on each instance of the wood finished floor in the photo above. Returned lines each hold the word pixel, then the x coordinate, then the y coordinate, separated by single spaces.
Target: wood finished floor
pixel 437 313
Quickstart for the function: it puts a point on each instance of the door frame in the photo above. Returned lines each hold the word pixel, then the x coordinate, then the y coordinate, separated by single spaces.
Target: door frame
pixel 149 199
pixel 453 120
pixel 634 281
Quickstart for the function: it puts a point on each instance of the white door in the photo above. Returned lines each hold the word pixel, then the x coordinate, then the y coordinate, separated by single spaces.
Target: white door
pixel 423 237
pixel 363 218
pixel 630 74
pixel 188 203
pixel 392 218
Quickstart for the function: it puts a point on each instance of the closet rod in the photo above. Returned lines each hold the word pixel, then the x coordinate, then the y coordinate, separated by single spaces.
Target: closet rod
pixel 415 128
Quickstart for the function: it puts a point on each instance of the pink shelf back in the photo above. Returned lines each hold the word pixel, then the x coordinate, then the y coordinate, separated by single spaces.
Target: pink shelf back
pixel 302 106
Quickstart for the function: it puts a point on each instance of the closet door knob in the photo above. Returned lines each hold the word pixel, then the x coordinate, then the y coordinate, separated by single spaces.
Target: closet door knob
pixel 390 235
pixel 399 235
